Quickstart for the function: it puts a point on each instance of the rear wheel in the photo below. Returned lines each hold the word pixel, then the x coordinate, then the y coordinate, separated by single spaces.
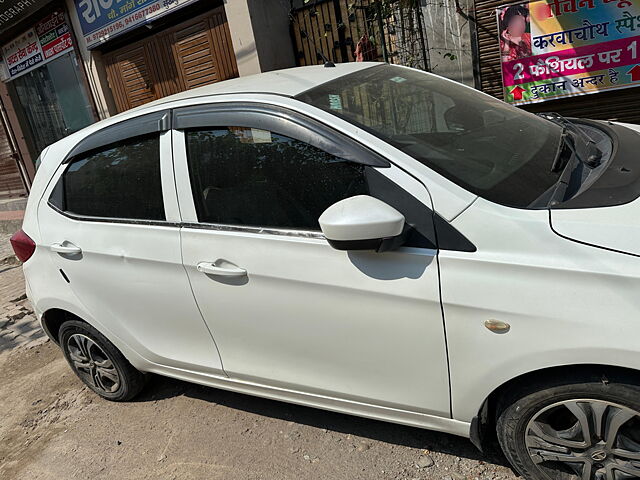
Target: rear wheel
pixel 585 431
pixel 98 363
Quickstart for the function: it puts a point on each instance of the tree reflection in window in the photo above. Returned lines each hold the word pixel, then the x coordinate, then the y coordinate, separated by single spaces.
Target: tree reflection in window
pixel 252 177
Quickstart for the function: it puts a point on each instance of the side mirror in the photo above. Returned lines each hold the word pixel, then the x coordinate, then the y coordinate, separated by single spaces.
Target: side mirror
pixel 362 223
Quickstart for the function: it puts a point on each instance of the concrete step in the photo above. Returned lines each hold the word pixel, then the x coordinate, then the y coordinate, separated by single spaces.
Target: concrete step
pixel 10 221
pixel 13 204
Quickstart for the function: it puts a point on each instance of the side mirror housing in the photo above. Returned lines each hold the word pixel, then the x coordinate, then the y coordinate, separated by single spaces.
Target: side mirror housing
pixel 362 223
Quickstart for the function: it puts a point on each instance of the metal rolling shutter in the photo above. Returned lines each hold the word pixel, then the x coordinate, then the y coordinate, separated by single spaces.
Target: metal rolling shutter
pixel 11 184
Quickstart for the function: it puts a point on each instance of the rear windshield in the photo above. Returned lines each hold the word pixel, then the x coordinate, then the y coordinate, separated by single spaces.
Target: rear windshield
pixel 492 149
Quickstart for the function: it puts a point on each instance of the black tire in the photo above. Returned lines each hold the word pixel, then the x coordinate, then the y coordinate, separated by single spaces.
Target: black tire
pixel 107 372
pixel 558 408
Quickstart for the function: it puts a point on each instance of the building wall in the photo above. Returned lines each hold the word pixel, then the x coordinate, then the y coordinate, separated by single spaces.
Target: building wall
pixel 449 39
pixel 270 21
pixel 242 37
pixel 260 35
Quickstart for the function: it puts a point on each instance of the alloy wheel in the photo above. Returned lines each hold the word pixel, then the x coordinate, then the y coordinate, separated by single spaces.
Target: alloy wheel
pixel 585 440
pixel 92 364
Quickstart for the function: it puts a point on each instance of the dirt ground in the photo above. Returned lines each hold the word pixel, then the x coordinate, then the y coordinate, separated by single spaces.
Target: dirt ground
pixel 52 427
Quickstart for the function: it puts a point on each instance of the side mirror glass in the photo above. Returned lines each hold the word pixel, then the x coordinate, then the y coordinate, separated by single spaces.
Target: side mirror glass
pixel 363 223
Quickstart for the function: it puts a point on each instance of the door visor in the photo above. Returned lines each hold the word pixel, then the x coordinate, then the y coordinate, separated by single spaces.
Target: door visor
pixel 278 120
pixel 134 127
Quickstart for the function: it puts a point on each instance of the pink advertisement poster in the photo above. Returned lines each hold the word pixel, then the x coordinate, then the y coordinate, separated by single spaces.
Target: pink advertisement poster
pixel 558 48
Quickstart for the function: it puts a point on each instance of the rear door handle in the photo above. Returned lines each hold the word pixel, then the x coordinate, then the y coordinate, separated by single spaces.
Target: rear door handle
pixel 66 247
pixel 213 269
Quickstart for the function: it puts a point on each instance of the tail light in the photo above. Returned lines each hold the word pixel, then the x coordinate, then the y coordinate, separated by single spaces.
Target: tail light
pixel 22 245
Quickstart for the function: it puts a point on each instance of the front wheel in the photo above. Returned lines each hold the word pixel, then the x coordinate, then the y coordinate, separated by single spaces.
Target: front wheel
pixel 98 363
pixel 582 431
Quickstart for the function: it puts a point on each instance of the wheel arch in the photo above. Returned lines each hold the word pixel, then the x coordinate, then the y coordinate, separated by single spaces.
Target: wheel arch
pixel 53 319
pixel 482 433
pixel 55 315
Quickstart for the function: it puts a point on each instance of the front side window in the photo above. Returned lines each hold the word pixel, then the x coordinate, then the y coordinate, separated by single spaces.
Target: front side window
pixel 121 181
pixel 251 177
pixel 492 149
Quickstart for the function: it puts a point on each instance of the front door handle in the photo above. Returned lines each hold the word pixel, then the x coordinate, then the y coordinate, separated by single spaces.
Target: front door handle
pixel 66 248
pixel 227 271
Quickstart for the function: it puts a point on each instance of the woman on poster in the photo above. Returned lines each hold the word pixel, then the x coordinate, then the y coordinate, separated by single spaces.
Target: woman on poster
pixel 515 40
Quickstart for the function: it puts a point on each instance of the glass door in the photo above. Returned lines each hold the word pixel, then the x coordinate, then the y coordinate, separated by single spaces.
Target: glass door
pixel 53 102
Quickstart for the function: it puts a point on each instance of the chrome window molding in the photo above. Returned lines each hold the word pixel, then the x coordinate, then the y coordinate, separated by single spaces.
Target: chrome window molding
pixel 131 221
pixel 257 230
pixel 202 226
pixel 280 232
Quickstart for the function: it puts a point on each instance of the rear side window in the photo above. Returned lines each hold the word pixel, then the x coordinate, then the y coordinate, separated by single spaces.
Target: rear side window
pixel 121 180
pixel 251 177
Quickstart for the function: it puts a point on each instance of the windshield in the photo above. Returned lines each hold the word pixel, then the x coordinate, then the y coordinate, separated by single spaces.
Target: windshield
pixel 492 149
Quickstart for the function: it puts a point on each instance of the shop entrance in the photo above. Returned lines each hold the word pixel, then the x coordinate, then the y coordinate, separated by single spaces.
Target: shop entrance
pixel 191 54
pixel 52 101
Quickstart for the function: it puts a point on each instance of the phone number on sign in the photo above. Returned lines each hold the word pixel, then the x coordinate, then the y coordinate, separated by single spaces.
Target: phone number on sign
pixel 129 20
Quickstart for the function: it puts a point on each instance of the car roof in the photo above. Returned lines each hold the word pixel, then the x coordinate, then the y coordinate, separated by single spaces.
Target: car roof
pixel 289 82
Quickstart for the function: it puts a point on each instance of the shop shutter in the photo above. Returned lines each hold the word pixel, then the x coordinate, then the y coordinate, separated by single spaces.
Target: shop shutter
pixel 11 184
pixel 488 49
pixel 194 53
pixel 620 105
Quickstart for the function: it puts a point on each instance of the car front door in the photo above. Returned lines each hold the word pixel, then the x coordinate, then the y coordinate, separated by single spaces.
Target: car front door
pixel 111 222
pixel 285 308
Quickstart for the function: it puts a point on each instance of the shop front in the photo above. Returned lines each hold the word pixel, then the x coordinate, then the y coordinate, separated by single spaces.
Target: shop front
pixel 68 63
pixel 44 90
pixel 152 48
pixel 45 83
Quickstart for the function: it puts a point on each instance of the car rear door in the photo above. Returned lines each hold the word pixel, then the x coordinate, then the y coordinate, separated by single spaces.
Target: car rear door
pixel 111 221
pixel 285 308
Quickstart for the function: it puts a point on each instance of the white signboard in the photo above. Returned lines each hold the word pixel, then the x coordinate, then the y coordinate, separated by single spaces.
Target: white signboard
pixel 49 38
pixel 23 53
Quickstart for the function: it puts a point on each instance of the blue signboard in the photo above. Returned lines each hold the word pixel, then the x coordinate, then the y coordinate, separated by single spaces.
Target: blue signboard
pixel 104 19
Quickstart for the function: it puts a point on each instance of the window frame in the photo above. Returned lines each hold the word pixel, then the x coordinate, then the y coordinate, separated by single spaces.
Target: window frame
pixel 277 119
pixel 261 116
pixel 154 123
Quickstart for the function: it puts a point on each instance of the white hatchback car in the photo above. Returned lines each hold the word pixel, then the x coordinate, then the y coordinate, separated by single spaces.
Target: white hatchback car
pixel 363 238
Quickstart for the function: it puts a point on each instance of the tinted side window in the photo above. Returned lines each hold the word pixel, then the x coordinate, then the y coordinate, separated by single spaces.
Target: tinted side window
pixel 250 177
pixel 119 181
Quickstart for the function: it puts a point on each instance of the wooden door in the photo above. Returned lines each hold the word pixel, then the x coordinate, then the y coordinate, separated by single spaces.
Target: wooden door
pixel 192 54
pixel 130 77
pixel 203 52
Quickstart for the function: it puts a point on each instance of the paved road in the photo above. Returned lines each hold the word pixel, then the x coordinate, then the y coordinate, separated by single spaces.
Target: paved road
pixel 52 427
